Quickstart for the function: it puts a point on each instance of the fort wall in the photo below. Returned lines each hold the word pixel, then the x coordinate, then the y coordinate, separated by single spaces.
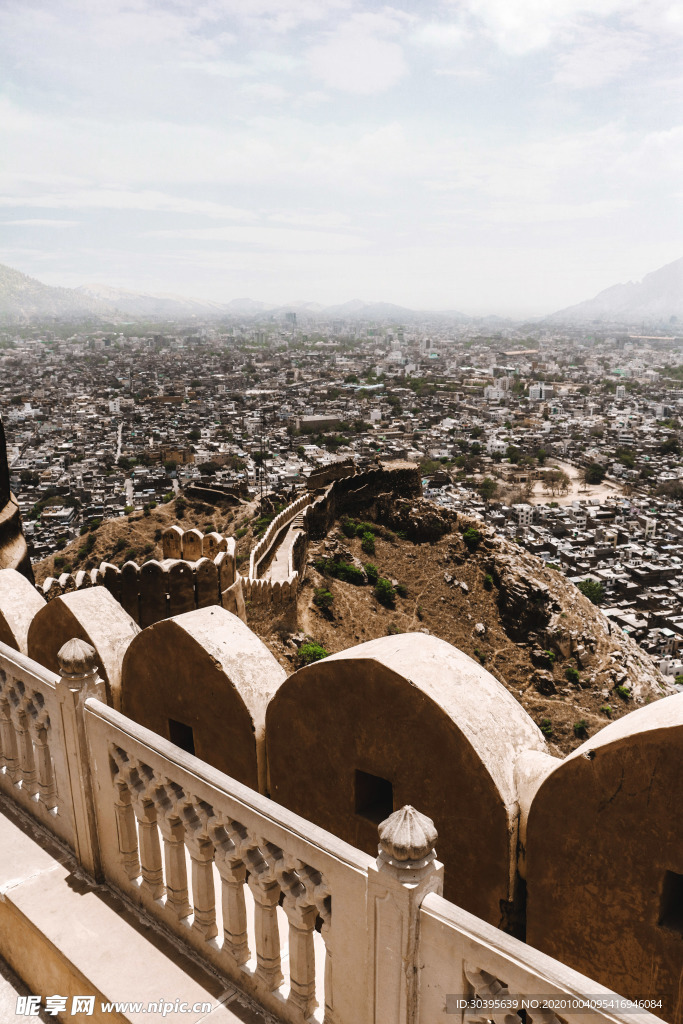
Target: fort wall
pixel 196 571
pixel 405 719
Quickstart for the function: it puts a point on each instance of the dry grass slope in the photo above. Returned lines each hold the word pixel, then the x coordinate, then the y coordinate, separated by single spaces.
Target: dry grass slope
pixel 499 604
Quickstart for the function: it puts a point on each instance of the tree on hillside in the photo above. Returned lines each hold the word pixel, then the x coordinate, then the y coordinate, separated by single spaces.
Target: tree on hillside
pixel 594 591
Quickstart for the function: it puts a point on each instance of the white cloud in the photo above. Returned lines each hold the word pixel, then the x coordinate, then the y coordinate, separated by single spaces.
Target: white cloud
pixel 472 73
pixel 281 240
pixel 599 57
pixel 442 35
pixel 356 58
pixel 42 223
pixel 146 200
pixel 521 26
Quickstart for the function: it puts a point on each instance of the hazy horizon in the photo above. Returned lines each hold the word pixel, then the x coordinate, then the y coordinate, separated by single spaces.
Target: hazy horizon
pixel 488 156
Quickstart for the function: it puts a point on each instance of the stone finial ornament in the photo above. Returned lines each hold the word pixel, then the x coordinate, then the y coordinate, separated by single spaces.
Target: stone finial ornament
pixel 79 669
pixel 407 838
pixel 77 658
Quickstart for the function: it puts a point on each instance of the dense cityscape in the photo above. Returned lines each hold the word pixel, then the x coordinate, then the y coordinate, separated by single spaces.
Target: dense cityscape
pixel 565 439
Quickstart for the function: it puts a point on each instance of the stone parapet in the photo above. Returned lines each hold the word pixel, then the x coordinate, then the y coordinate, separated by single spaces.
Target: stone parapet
pixel 310 928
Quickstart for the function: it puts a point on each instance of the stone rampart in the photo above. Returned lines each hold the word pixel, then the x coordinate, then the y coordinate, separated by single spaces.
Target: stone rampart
pixel 157 589
pixel 336 471
pixel 198 570
pixel 191 545
pixel 262 548
pixel 354 493
pixel 271 601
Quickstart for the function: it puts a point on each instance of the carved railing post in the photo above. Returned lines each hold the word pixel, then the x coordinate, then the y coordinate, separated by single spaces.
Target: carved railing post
pixel 266 893
pixel 45 784
pixel 79 680
pixel 301 957
pixel 150 850
pixel 27 762
pixel 177 897
pixel 233 876
pixel 128 834
pixel 406 870
pixel 8 739
pixel 203 892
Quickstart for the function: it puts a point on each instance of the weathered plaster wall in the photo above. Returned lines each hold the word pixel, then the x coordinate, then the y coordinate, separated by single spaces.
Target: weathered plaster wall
pixel 423 716
pixel 208 671
pixel 91 615
pixel 19 603
pixel 604 851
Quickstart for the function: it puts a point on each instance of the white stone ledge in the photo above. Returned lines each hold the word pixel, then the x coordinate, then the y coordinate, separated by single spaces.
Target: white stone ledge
pixel 64 936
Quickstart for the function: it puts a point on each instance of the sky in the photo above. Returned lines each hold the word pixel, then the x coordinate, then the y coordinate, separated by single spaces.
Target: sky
pixel 489 156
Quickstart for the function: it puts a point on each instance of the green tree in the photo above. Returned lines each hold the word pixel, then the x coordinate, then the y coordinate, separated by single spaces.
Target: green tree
pixel 323 599
pixel 472 538
pixel 372 573
pixel 669 447
pixel 310 652
pixel 594 591
pixel 368 544
pixel 627 457
pixel 385 593
pixel 488 488
pixel 594 473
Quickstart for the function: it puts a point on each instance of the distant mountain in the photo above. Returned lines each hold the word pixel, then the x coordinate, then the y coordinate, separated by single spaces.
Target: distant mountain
pixel 370 310
pixel 23 298
pixel 139 304
pixel 249 306
pixel 659 296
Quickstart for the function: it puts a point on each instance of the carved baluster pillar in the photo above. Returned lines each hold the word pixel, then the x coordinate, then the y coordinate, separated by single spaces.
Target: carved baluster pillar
pixel 45 780
pixel 128 834
pixel 150 850
pixel 173 832
pixel 235 939
pixel 27 764
pixel 9 739
pixel 267 934
pixel 328 1017
pixel 203 892
pixel 301 957
pixel 406 870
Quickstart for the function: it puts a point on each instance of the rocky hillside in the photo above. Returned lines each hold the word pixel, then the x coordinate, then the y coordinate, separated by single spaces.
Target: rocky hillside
pixel 137 537
pixel 526 623
pixel 493 600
